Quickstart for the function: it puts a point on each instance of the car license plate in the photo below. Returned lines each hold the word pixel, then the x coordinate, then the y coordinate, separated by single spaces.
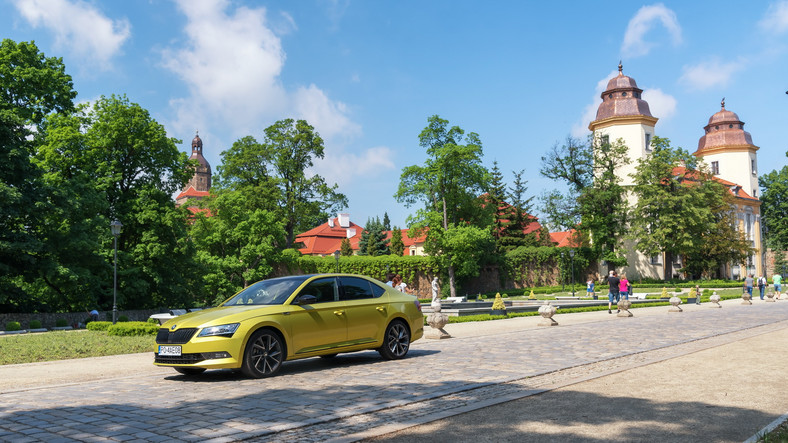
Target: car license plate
pixel 174 351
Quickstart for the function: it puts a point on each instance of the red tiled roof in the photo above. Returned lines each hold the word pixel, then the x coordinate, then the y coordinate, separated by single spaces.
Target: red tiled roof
pixel 734 188
pixel 324 239
pixel 562 239
pixel 190 192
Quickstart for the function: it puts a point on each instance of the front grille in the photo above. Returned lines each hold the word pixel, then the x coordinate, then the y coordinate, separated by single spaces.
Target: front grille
pixel 184 359
pixel 179 337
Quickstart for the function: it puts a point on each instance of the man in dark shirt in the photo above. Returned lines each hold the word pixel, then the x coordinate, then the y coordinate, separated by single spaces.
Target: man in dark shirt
pixel 613 281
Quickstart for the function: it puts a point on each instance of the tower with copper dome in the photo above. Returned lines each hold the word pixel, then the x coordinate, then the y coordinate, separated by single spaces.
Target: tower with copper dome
pixel 200 183
pixel 727 148
pixel 623 114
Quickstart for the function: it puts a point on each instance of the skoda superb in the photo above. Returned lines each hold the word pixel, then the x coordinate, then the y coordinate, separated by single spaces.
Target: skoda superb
pixel 288 318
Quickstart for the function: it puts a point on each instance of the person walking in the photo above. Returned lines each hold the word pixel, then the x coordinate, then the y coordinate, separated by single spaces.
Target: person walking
pixel 623 287
pixel 777 280
pixel 762 284
pixel 613 294
pixel 748 284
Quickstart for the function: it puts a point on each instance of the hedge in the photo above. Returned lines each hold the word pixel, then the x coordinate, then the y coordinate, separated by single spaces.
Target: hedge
pixel 98 325
pixel 132 328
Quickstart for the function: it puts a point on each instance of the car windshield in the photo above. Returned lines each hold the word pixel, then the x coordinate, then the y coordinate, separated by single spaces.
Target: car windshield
pixel 266 292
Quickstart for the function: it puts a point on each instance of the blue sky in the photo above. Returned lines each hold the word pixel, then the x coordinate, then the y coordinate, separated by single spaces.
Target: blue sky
pixel 368 74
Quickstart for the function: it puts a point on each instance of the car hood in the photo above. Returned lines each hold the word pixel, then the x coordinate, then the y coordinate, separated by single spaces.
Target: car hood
pixel 221 315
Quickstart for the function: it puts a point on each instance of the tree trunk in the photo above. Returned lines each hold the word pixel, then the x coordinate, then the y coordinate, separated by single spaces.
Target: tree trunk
pixel 452 288
pixel 668 266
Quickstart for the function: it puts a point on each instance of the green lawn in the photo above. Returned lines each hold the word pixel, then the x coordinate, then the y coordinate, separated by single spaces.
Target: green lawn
pixel 62 345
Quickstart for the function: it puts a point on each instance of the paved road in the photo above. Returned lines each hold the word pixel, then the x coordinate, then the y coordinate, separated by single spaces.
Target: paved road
pixel 357 396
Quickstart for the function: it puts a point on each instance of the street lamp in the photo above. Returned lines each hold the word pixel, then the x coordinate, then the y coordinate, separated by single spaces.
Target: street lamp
pixel 572 256
pixel 336 257
pixel 563 278
pixel 115 228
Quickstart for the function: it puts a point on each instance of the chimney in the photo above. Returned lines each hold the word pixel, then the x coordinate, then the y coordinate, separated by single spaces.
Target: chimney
pixel 330 222
pixel 344 220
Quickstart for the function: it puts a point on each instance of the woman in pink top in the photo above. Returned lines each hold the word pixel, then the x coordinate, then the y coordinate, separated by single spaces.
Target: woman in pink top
pixel 623 287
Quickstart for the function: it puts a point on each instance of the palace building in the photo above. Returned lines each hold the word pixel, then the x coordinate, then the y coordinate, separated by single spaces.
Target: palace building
pixel 725 146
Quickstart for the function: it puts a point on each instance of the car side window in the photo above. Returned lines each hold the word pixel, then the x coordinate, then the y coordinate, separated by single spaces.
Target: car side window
pixel 325 289
pixel 355 288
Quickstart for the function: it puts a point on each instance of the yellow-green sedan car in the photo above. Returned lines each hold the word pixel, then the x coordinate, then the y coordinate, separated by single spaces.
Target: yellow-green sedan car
pixel 288 318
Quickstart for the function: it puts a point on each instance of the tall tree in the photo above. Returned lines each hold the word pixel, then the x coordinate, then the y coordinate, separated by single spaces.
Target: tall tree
pixel 571 164
pixel 386 221
pixel 448 184
pixel 345 248
pixel 519 216
pixel 373 239
pixel 396 245
pixel 603 205
pixel 305 201
pixel 774 208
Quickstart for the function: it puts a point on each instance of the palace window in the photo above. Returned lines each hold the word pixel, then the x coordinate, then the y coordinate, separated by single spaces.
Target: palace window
pixel 648 141
pixel 715 168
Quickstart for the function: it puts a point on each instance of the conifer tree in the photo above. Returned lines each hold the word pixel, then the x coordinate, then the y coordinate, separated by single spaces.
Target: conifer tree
pixel 345 249
pixel 373 240
pixel 396 246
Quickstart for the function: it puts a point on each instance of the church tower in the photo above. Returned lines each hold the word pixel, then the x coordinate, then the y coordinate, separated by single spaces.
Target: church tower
pixel 623 114
pixel 201 181
pixel 728 150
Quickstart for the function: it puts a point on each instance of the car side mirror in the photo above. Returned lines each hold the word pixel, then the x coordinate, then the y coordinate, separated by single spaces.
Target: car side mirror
pixel 306 299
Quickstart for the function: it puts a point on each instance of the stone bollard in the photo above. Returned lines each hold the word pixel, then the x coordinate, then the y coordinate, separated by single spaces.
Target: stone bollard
pixel 715 300
pixel 437 320
pixel 770 296
pixel 745 297
pixel 675 302
pixel 623 308
pixel 547 311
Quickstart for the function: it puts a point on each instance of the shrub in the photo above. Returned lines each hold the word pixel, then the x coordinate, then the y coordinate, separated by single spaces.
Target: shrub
pixel 123 318
pixel 498 303
pixel 35 324
pixel 133 328
pixel 153 320
pixel 98 325
pixel 13 326
pixel 61 322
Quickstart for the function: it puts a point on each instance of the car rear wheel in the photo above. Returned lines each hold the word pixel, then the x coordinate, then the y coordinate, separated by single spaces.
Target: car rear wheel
pixel 190 371
pixel 396 341
pixel 264 354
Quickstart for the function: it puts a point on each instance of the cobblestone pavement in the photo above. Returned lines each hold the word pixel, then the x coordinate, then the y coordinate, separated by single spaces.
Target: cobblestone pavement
pixel 359 395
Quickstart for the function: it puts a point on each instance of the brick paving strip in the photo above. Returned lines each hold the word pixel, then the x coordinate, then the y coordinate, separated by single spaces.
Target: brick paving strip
pixel 359 395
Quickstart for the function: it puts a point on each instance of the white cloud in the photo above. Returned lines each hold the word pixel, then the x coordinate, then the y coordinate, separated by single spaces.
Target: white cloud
pixel 343 168
pixel 662 106
pixel 709 74
pixel 646 17
pixel 776 18
pixel 232 63
pixel 79 28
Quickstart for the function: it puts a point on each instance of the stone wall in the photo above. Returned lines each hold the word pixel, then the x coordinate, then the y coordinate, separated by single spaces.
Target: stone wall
pixel 770 269
pixel 49 320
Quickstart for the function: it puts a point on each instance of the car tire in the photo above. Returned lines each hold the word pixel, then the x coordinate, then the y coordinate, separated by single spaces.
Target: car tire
pixel 264 354
pixel 396 341
pixel 190 371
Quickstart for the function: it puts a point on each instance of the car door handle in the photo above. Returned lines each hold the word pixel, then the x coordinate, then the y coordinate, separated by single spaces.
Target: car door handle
pixel 339 312
pixel 381 308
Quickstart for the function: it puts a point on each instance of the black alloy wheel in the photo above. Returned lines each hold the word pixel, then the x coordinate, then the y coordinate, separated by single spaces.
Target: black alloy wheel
pixel 396 341
pixel 264 354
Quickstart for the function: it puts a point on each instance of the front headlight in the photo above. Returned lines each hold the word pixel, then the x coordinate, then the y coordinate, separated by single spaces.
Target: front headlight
pixel 221 330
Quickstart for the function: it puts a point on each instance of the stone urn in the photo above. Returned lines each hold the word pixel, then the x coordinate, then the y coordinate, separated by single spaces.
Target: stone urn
pixel 770 296
pixel 437 320
pixel 745 298
pixel 547 311
pixel 674 304
pixel 623 308
pixel 715 300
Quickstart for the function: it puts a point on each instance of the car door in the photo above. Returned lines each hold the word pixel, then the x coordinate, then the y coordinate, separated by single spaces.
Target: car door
pixel 367 310
pixel 320 325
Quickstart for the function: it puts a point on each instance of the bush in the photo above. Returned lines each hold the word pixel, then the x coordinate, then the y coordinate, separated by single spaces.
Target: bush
pixel 98 325
pixel 153 320
pixel 133 328
pixel 13 326
pixel 61 322
pixel 35 324
pixel 123 318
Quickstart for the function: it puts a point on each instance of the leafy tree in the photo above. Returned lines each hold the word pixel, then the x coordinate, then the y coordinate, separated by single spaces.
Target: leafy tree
pixel 571 163
pixel 396 245
pixel 346 249
pixel 602 204
pixel 237 245
pixel 304 201
pixel 448 184
pixel 774 208
pixel 373 239
pixel 31 87
pixel 679 207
